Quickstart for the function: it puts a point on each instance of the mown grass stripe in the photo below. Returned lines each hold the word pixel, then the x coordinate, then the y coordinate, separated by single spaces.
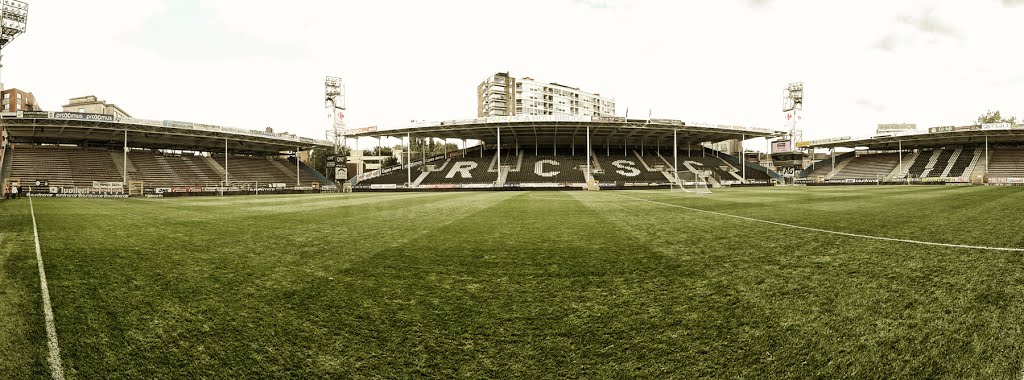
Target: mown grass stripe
pixel 51 328
pixel 840 233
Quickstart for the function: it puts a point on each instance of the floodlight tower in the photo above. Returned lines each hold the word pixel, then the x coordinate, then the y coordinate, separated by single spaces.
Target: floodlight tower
pixel 334 102
pixel 793 100
pixel 13 22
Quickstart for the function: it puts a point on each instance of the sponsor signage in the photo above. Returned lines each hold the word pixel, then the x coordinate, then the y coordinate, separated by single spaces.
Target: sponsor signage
pixel 886 128
pixel 608 119
pixel 107 185
pixel 995 126
pixel 781 146
pixel 538 118
pixel 823 141
pixel 1007 180
pixel 667 121
pixel 35 114
pixel 81 116
pixel 372 128
pixel 954 129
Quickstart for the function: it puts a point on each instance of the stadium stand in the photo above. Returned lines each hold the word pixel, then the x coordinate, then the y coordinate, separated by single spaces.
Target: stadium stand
pixel 820 169
pixel 916 167
pixel 62 166
pixel 79 167
pixel 1006 162
pixel 620 168
pixel 754 172
pixel 963 162
pixel 868 167
pixel 824 167
pixel 937 167
pixel 461 171
pixel 549 169
pixel 263 170
pixel 156 170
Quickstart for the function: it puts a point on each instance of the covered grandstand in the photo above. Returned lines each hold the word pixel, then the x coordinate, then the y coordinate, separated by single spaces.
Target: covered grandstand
pixel 989 153
pixel 80 154
pixel 560 152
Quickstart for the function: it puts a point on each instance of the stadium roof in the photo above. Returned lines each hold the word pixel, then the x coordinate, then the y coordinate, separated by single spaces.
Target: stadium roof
pixel 97 129
pixel 934 137
pixel 553 130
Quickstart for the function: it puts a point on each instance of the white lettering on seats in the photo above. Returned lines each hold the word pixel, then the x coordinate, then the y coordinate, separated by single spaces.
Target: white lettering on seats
pixel 539 168
pixel 626 168
pixel 463 168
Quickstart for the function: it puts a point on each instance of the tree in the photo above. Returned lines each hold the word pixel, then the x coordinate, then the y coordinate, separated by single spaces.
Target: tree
pixel 995 117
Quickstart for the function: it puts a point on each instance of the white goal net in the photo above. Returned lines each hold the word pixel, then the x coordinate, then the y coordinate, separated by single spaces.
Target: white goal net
pixel 687 181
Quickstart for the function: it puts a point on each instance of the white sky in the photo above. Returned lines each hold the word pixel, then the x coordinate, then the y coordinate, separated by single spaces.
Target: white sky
pixel 253 64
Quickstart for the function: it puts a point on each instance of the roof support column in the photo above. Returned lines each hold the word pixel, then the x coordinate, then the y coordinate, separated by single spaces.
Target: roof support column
pixel 408 159
pixel 901 160
pixel 986 160
pixel 588 151
pixel 124 165
pixel 225 162
pixel 743 157
pixel 675 153
pixel 298 181
pixel 499 156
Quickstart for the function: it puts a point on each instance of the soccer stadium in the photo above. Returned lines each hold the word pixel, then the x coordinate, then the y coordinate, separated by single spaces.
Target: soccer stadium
pixel 546 237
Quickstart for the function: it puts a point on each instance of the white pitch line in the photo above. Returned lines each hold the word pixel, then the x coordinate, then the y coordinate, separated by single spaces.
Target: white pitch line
pixel 51 328
pixel 980 247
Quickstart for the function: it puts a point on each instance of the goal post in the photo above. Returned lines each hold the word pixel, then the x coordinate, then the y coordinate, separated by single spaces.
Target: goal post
pixel 690 182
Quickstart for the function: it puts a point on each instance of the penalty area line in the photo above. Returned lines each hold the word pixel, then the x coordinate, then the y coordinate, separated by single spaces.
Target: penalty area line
pixel 51 328
pixel 840 233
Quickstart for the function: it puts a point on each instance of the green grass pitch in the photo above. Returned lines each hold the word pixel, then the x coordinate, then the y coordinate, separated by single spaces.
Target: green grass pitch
pixel 520 285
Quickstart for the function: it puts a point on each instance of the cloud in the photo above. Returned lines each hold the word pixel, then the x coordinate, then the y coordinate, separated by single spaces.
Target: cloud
pixel 1013 3
pixel 593 4
pixel 927 22
pixel 187 31
pixel 887 43
pixel 871 106
pixel 759 3
pixel 925 26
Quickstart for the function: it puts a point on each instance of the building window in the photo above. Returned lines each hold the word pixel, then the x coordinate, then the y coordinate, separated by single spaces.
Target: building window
pixel 81 110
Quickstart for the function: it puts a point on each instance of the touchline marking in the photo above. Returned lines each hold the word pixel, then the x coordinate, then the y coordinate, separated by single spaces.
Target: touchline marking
pixel 51 328
pixel 1005 249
